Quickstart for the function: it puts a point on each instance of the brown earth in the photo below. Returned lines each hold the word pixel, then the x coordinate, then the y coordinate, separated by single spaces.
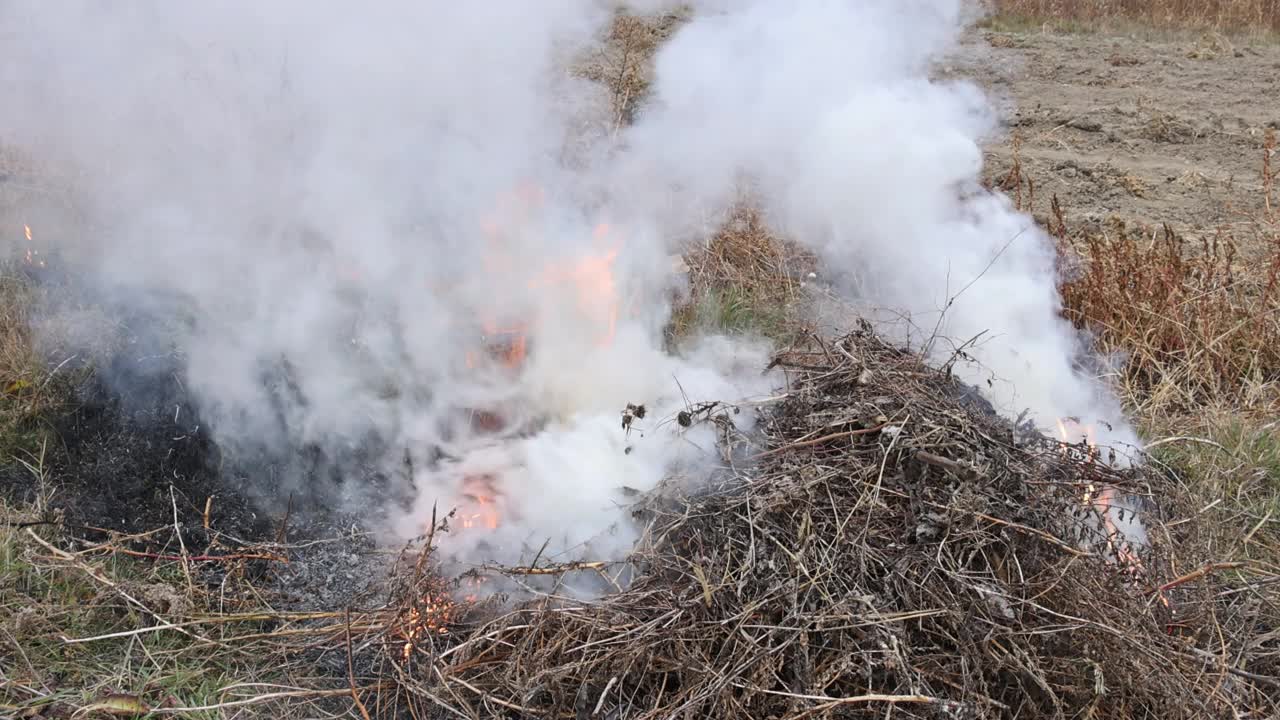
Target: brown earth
pixel 1148 131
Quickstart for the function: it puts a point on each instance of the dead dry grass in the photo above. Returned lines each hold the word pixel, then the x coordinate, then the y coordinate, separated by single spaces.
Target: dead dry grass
pixel 30 387
pixel 624 61
pixel 1194 324
pixel 152 625
pixel 1257 17
pixel 896 550
pixel 744 279
pixel 1197 324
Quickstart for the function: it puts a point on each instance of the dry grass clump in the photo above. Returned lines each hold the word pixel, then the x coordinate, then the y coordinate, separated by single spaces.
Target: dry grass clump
pixel 153 624
pixel 624 61
pixel 1223 15
pixel 744 278
pixel 1195 324
pixel 1235 464
pixel 52 600
pixel 30 388
pixel 895 550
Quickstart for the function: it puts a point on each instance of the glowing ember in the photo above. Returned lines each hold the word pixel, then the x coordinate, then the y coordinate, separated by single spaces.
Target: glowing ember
pixel 432 615
pixel 437 611
pixel 33 256
pixel 476 581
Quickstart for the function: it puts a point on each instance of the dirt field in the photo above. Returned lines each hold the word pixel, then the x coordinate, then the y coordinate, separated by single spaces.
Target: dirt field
pixel 1146 131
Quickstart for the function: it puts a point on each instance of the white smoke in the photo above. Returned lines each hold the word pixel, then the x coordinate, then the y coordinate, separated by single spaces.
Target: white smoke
pixel 827 113
pixel 309 185
pixel 334 203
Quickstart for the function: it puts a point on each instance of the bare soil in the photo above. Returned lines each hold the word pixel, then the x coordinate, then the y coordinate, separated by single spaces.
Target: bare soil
pixel 1148 131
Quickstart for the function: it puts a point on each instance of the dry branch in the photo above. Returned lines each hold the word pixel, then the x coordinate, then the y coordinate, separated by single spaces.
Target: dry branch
pixel 942 564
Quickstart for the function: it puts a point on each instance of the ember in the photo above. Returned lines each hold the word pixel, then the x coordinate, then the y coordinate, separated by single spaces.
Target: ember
pixel 431 615
pixel 33 255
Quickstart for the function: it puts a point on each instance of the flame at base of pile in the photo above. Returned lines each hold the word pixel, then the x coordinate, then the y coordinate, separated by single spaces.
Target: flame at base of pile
pixel 1118 527
pixel 1109 521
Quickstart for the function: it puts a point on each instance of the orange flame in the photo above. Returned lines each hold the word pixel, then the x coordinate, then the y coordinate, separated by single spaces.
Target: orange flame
pixel 432 615
pixel 592 277
pixel 1072 434
pixel 482 497
pixel 33 256
pixel 1116 542
pixel 597 293
pixel 485 515
pixel 510 354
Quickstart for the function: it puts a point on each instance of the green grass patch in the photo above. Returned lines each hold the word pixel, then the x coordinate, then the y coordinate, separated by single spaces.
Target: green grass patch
pixel 731 311
pixel 1233 464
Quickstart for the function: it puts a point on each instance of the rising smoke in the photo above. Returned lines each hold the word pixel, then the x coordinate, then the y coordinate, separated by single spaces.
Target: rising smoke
pixel 313 191
pixel 828 112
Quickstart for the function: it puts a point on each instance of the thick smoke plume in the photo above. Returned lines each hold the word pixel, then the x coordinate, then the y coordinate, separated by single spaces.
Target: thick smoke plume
pixel 334 204
pixel 827 113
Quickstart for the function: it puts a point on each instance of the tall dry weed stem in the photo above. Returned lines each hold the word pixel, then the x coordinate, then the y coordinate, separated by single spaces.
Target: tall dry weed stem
pixel 1197 325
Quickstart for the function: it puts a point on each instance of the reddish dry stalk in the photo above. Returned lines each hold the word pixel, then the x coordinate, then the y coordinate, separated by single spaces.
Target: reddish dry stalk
pixel 1196 575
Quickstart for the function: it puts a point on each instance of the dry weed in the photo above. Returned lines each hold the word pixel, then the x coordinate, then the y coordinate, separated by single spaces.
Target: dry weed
pixel 1196 323
pixel 623 62
pixel 744 271
pixel 895 550
pixel 1256 16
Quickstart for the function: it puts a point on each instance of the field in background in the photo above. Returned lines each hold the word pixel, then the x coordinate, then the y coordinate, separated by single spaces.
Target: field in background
pixel 1153 162
pixel 1235 16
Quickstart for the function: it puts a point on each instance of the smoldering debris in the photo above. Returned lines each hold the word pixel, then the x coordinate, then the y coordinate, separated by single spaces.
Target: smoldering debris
pixel 895 545
pixel 884 541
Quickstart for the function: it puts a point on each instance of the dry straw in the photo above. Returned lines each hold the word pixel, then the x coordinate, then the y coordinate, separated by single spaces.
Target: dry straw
pixel 895 550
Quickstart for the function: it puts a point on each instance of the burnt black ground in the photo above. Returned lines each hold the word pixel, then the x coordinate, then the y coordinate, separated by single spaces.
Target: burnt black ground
pixel 129 449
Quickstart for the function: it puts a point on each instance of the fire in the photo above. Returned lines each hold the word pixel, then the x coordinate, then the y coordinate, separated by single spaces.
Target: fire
pixel 585 279
pixel 482 509
pixel 508 345
pixel 437 611
pixel 1073 434
pixel 33 256
pixel 588 277
pixel 1106 503
pixel 1116 538
pixel 592 276
pixel 431 615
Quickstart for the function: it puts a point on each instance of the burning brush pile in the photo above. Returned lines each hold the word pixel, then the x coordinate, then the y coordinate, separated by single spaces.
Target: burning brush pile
pixel 891 549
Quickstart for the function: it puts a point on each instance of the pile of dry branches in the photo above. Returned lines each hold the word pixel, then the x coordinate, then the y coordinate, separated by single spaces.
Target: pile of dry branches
pixel 894 550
